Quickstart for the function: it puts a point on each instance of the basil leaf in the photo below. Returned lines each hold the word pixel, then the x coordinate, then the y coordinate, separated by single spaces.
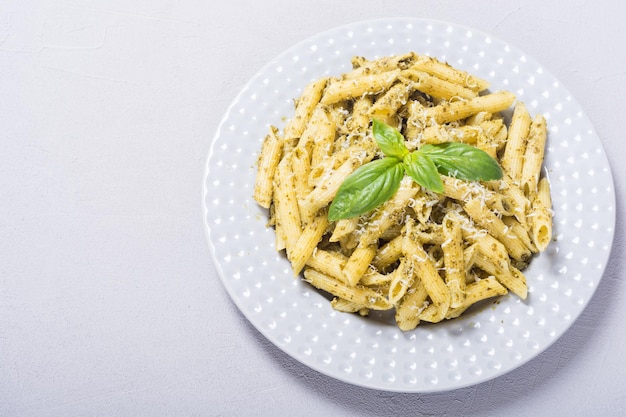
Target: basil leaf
pixel 366 188
pixel 463 161
pixel 389 139
pixel 420 167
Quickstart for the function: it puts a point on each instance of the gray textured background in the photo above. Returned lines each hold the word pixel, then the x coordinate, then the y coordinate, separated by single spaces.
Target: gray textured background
pixel 109 302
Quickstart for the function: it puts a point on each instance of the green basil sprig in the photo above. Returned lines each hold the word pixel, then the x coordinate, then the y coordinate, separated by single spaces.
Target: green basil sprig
pixel 377 181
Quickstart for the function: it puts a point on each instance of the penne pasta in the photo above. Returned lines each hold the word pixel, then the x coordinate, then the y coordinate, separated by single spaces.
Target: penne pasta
pixel 540 216
pixel 360 295
pixel 269 158
pixel 287 210
pixel 358 263
pixel 513 157
pixel 351 88
pixel 437 87
pixel 478 291
pixel 445 71
pixel 307 242
pixel 388 214
pixel 488 220
pixel 346 306
pixel 304 107
pixel 533 157
pixel 328 262
pixel 427 255
pixel 411 305
pixel 451 111
pixel 452 249
pixel 437 290
pixel 387 106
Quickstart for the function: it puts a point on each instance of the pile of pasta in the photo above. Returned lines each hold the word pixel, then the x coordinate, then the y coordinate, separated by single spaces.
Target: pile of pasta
pixel 427 256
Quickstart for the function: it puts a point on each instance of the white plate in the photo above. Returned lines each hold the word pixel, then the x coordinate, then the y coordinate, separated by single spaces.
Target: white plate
pixel 373 352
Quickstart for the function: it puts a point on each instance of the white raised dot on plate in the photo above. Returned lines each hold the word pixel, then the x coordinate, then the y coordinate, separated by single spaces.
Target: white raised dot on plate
pixel 390 363
pixel 432 364
pixel 369 360
pixel 452 363
pixel 475 370
pixel 454 376
pixel 469 358
pixel 431 380
pixel 388 377
pixel 366 373
pixel 324 358
pixel 410 379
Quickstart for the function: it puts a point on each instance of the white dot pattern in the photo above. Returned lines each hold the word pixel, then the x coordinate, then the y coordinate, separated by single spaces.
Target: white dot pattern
pixel 373 352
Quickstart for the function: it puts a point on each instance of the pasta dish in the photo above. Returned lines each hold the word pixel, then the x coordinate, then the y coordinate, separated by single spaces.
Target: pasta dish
pixel 356 206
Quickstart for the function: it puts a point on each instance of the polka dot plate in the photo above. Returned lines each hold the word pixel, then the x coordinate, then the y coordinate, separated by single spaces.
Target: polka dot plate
pixel 372 352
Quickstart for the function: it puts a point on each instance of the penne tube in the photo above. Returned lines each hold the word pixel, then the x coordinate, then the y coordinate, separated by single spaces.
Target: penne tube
pixel 389 213
pixel 346 306
pixel 401 281
pixel 458 110
pixel 324 192
pixel 269 158
pixel 358 263
pixel 513 157
pixel 366 297
pixel 453 260
pixel 502 270
pixel 351 88
pixel 324 131
pixel 386 107
pixel 478 291
pixel 363 66
pixel 388 254
pixel 533 156
pixel 414 125
pixel 301 168
pixel 287 211
pixel 423 267
pixel 373 278
pixel 496 227
pixel 540 217
pixel 304 107
pixel 445 71
pixel 344 228
pixel 362 152
pixel 328 262
pixel 437 87
pixel 307 242
pixel 411 305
